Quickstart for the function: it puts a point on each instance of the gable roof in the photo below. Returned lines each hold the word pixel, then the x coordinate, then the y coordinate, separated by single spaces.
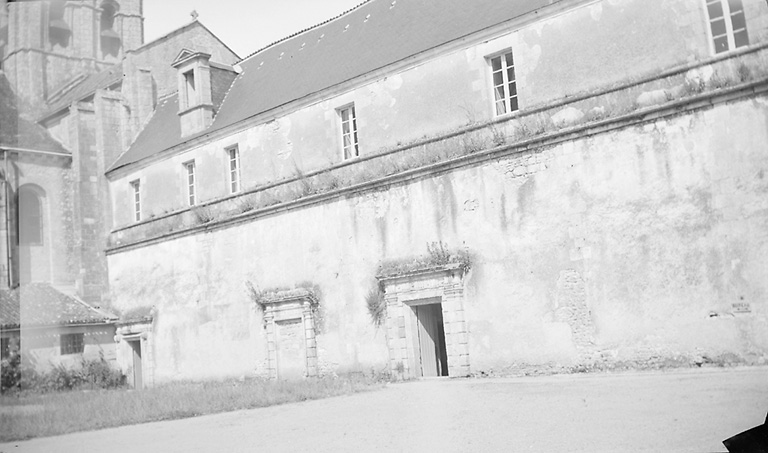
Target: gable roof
pixel 19 132
pixel 375 34
pixel 43 305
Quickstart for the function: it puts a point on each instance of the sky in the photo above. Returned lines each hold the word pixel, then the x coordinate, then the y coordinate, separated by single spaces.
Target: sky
pixel 245 26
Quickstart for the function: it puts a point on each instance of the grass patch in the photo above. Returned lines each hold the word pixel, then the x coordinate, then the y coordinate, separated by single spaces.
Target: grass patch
pixel 26 415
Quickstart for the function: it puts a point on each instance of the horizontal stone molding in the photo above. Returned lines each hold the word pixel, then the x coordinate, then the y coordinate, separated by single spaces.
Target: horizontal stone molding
pixel 483 137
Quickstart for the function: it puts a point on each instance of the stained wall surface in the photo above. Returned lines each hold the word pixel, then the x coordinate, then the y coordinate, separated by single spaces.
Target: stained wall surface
pixel 589 47
pixel 647 242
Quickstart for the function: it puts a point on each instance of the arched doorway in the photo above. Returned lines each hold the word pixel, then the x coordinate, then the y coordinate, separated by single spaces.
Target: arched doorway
pixel 34 263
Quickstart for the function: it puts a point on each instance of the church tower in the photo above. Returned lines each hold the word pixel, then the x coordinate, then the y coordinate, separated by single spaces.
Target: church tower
pixel 45 45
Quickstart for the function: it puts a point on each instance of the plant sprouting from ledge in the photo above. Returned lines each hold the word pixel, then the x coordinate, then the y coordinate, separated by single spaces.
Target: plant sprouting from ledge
pixel 377 307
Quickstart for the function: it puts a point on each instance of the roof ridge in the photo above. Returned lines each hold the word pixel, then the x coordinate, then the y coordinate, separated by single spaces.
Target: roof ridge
pixel 303 31
pixel 98 310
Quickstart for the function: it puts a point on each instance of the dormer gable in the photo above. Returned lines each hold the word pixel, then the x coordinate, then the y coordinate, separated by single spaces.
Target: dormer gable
pixel 194 85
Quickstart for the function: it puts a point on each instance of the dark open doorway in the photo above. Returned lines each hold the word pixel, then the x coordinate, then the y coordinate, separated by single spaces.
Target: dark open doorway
pixel 138 375
pixel 432 353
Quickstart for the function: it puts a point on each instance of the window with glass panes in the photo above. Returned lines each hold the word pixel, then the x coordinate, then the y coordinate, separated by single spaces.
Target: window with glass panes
pixel 727 24
pixel 234 169
pixel 72 343
pixel 136 186
pixel 504 86
pixel 189 168
pixel 349 132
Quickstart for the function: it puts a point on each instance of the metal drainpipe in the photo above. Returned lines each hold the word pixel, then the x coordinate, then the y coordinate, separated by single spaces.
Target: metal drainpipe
pixel 7 221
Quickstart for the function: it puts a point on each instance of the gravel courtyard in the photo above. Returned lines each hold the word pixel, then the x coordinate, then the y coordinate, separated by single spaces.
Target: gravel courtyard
pixel 686 410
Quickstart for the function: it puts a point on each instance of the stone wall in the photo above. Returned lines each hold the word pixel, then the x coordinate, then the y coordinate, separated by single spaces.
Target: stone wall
pixel 635 245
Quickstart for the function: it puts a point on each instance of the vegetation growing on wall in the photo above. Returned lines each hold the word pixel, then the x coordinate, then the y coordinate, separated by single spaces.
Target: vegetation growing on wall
pixel 520 130
pixel 263 297
pixel 377 306
pixel 438 256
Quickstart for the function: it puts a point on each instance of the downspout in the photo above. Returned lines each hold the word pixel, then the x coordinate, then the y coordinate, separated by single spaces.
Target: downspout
pixel 9 269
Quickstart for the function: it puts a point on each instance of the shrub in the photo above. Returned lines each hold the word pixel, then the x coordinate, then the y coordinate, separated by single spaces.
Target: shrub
pixel 377 307
pixel 92 374
pixel 11 373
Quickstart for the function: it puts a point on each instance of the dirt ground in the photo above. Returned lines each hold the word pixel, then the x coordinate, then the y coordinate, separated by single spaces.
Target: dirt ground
pixel 677 411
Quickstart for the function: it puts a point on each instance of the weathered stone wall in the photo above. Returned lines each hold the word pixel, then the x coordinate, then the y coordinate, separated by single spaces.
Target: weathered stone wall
pixel 625 40
pixel 48 177
pixel 637 245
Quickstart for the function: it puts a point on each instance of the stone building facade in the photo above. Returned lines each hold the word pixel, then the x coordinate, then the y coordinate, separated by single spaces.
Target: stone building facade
pixel 508 188
pixel 77 84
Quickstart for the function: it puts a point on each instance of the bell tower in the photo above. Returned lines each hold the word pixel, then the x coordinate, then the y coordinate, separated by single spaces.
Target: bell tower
pixel 46 45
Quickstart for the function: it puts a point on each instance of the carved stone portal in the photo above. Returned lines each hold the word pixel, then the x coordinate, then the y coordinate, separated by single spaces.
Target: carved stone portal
pixel 290 325
pixel 426 328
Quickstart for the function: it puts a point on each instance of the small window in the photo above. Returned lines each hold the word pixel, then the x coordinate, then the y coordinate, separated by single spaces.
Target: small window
pixel 727 24
pixel 72 343
pixel 136 188
pixel 349 144
pixel 504 85
pixel 190 95
pixel 234 169
pixel 189 175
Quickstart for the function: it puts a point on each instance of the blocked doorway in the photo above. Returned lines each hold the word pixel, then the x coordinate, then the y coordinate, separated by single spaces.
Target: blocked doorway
pixel 430 333
pixel 291 349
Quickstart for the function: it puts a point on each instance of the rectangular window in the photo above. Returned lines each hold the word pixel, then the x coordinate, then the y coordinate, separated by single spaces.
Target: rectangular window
pixel 71 343
pixel 349 132
pixel 136 187
pixel 504 85
pixel 234 169
pixel 727 24
pixel 189 174
pixel 5 348
pixel 189 88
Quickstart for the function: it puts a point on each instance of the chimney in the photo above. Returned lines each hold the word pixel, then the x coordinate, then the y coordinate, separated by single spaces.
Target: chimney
pixel 194 81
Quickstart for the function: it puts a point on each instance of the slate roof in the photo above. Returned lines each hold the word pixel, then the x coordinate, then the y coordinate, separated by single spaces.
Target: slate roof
pixel 19 132
pixel 87 87
pixel 373 35
pixel 43 305
pixel 161 132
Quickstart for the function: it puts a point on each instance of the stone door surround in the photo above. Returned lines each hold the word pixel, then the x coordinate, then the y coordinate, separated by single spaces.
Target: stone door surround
pixel 444 285
pixel 285 306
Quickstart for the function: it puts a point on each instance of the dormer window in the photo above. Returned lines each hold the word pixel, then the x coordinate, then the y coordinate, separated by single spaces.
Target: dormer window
pixel 194 85
pixel 190 94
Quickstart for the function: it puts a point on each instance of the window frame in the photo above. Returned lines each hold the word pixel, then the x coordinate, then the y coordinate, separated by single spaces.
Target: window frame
pixel 504 67
pixel 353 132
pixel 5 348
pixel 71 343
pixel 727 19
pixel 190 89
pixel 136 199
pixel 190 182
pixel 234 181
